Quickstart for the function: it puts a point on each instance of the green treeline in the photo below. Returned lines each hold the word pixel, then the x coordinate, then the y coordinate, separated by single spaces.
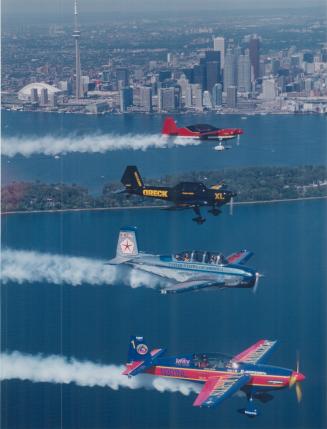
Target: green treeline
pixel 251 184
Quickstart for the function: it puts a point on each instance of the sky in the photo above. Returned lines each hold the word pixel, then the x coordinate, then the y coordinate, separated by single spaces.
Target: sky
pixel 48 7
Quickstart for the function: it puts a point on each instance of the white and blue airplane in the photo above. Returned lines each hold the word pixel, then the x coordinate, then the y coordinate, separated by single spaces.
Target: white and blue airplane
pixel 189 270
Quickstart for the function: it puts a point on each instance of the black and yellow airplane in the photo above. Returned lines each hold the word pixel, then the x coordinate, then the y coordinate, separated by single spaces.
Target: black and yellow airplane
pixel 184 195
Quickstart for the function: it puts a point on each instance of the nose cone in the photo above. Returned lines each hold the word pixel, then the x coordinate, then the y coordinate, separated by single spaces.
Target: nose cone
pixel 297 376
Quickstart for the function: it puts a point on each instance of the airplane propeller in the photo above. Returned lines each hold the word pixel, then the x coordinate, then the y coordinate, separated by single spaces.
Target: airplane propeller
pixel 256 283
pixel 231 206
pixel 238 141
pixel 293 381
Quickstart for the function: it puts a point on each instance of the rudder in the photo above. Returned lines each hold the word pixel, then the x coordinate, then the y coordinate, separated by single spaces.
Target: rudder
pixel 131 178
pixel 127 242
pixel 169 126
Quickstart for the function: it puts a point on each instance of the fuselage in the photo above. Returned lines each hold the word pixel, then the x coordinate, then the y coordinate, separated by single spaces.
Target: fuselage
pixel 201 367
pixel 205 132
pixel 187 193
pixel 184 266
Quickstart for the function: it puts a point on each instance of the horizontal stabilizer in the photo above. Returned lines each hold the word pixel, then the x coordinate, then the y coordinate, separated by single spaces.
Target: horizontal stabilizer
pixel 137 367
pixel 239 257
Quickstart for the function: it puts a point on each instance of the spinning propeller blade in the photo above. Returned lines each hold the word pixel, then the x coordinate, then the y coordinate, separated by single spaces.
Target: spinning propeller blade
pixel 231 206
pixel 294 381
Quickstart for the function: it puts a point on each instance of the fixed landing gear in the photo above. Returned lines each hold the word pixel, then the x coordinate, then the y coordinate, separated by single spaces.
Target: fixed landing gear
pixel 214 211
pixel 198 219
pixel 251 410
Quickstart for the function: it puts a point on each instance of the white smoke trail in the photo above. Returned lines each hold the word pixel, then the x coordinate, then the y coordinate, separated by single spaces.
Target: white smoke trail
pixel 50 145
pixel 22 266
pixel 58 369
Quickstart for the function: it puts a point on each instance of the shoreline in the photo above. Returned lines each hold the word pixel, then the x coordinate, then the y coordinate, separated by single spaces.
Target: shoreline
pixel 151 207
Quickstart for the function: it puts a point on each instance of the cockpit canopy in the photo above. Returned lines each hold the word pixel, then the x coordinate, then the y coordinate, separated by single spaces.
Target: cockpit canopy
pixel 194 187
pixel 212 360
pixel 202 128
pixel 202 257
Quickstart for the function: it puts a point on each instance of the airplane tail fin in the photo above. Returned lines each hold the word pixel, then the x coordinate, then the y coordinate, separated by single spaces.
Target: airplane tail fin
pixel 169 126
pixel 131 178
pixel 140 357
pixel 138 349
pixel 126 246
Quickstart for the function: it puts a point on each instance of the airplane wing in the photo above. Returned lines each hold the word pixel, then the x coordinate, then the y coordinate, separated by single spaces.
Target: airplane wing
pixel 217 389
pixel 191 285
pixel 239 257
pixel 257 353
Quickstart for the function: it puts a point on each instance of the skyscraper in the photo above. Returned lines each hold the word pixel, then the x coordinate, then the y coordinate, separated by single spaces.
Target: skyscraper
pixel 230 69
pixel 219 45
pixel 254 47
pixel 244 73
pixel 76 36
pixel 146 98
pixel 217 95
pixel 126 98
pixel 213 74
pixel 166 99
pixel 232 96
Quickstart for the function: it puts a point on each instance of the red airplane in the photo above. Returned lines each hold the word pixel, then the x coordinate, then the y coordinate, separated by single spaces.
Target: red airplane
pixel 201 132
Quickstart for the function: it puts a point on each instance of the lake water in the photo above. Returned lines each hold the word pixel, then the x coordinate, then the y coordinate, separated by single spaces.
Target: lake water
pixel 268 140
pixel 95 322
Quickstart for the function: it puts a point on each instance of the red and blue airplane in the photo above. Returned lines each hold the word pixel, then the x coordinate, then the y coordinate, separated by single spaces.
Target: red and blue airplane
pixel 222 375
pixel 201 132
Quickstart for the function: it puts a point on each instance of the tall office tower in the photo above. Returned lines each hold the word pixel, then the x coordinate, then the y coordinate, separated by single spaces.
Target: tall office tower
pixel 193 96
pixel 244 73
pixel 213 74
pixel 122 76
pixel 199 74
pixel 44 98
pixel 230 69
pixel 146 98
pixel 126 98
pixel 219 45
pixel 254 47
pixel 197 97
pixel 217 95
pixel 207 100
pixel 275 66
pixel 269 89
pixel 183 83
pixel 76 36
pixel 232 96
pixel 166 99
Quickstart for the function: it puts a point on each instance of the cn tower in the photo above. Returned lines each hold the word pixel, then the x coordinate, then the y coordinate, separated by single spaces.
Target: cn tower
pixel 76 35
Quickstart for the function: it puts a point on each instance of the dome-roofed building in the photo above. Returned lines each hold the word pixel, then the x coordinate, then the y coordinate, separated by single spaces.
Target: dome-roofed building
pixel 25 93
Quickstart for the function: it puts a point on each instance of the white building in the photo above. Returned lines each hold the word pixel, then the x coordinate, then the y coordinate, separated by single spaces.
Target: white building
pixel 25 93
pixel 219 45
pixel 269 89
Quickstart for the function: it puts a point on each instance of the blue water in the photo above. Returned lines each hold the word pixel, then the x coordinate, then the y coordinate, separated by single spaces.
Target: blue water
pixel 268 140
pixel 88 322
